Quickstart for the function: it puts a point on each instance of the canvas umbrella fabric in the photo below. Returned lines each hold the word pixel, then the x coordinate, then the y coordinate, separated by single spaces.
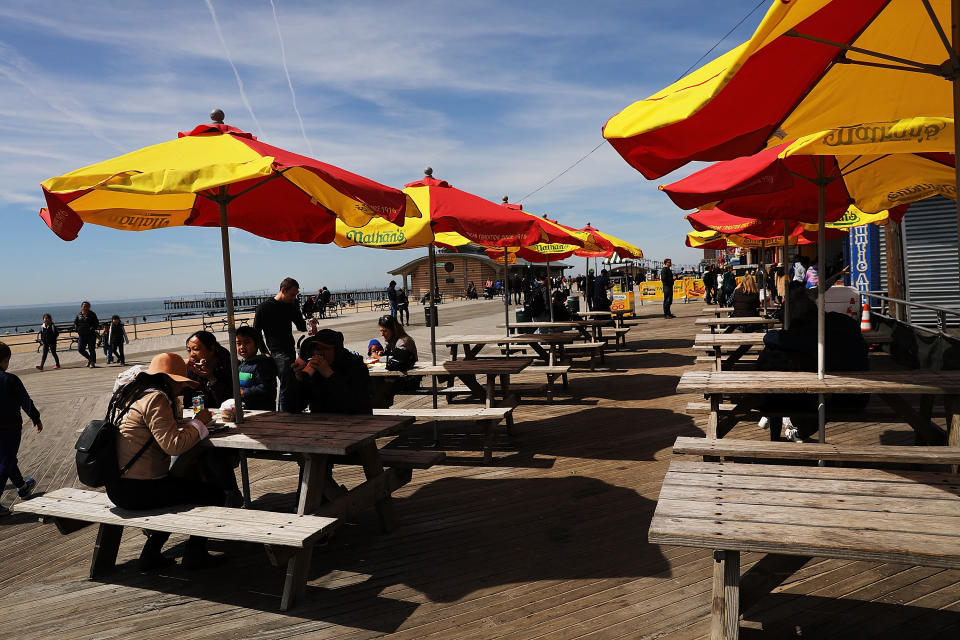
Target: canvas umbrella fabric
pixel 482 222
pixel 219 176
pixel 897 162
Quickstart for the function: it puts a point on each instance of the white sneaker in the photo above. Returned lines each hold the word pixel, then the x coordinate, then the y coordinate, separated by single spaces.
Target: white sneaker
pixel 764 423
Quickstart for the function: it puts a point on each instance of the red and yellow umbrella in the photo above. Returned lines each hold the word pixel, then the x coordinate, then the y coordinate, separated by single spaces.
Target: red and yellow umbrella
pixel 271 192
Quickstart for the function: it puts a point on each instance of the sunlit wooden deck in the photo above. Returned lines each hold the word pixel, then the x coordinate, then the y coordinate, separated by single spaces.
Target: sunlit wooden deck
pixel 548 542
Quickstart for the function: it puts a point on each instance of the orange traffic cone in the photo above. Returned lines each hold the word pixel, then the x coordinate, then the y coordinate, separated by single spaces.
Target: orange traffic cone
pixel 865 318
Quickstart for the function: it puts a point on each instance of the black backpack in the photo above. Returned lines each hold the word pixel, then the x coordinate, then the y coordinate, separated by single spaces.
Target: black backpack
pixel 97 449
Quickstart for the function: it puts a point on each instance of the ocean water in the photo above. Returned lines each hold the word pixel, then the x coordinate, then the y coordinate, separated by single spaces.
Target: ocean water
pixel 29 318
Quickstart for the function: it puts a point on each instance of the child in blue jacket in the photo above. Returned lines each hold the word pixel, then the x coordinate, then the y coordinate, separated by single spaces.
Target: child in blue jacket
pixel 258 373
pixel 13 398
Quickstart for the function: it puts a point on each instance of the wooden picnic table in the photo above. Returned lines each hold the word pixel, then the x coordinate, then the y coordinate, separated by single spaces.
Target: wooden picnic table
pixel 588 329
pixel 472 344
pixel 900 517
pixel 748 388
pixel 618 317
pixel 741 343
pixel 465 370
pixel 320 439
pixel 752 321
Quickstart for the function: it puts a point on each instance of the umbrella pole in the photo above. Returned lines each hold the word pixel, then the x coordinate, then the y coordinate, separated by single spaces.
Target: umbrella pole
pixel 549 289
pixel 586 286
pixel 228 286
pixel 785 294
pixel 433 320
pixel 821 293
pixel 955 41
pixel 506 297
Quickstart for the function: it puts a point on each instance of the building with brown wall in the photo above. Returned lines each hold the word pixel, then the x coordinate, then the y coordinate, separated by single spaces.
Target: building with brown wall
pixel 455 270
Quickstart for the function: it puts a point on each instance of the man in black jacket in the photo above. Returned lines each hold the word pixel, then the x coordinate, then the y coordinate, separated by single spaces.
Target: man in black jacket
pixel 274 319
pixel 86 324
pixel 332 379
pixel 666 278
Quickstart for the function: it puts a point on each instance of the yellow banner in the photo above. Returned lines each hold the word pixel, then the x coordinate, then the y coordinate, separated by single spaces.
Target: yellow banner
pixel 682 288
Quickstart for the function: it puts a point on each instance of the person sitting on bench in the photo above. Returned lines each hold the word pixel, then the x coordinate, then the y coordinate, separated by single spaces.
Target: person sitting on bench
pixel 148 483
pixel 329 378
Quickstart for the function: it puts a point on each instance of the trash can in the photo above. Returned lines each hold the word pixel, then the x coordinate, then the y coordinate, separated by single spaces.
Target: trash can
pixel 573 304
pixel 522 316
pixel 427 317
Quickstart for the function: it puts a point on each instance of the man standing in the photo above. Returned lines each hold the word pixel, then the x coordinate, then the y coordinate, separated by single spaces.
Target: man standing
pixel 86 324
pixel 710 284
pixel 321 305
pixel 392 297
pixel 274 319
pixel 325 301
pixel 599 291
pixel 666 278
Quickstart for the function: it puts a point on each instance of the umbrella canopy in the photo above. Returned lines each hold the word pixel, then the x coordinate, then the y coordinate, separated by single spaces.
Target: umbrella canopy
pixel 810 65
pixel 611 245
pixel 272 193
pixel 479 220
pixel 723 222
pixel 875 166
pixel 218 176
pixel 710 239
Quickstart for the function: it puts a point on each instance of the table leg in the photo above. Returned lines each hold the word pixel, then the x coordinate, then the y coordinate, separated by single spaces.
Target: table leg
pixel 471 382
pixel 312 480
pixel 725 623
pixel 717 358
pixel 105 550
pixel 373 467
pixel 491 389
pixel 471 354
pixel 453 351
pixel 540 351
pixel 951 406
pixel 714 418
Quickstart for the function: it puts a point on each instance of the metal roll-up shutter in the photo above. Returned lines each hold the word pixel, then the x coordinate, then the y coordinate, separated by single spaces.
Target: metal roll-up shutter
pixel 882 248
pixel 930 253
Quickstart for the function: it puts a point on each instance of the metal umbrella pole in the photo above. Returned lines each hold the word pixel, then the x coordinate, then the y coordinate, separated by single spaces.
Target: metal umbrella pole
pixel 506 297
pixel 821 293
pixel 549 289
pixel 787 279
pixel 433 319
pixel 222 200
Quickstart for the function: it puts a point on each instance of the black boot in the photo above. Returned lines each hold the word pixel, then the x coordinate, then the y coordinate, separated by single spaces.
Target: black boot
pixel 151 557
pixel 196 556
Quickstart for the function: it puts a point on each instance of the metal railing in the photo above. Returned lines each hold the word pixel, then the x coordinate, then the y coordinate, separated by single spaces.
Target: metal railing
pixel 885 301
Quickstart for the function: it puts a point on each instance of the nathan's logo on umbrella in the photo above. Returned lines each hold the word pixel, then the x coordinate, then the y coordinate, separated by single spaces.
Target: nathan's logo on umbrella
pixel 140 221
pixel 552 248
pixel 377 238
pixel 876 133
pixel 920 191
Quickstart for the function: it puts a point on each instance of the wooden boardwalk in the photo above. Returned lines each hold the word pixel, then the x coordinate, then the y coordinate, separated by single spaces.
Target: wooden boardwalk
pixel 549 542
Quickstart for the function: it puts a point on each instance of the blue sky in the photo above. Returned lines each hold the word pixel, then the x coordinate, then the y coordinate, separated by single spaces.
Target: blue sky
pixel 498 97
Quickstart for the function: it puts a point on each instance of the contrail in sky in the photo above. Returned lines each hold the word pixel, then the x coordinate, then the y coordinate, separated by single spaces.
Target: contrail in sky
pixel 293 95
pixel 243 94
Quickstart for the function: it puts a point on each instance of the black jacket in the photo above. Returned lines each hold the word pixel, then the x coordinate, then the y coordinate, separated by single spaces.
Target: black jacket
pixel 13 397
pixel 86 326
pixel 348 390
pixel 48 335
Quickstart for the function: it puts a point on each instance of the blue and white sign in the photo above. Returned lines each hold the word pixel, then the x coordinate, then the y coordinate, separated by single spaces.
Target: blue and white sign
pixel 863 250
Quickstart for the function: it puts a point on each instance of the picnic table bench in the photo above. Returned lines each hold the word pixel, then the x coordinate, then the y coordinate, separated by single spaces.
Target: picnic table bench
pixel 588 329
pixel 902 517
pixel 730 448
pixel 748 388
pixel 593 349
pixel 487 417
pixel 736 345
pixel 749 321
pixel 618 317
pixel 288 538
pixel 717 311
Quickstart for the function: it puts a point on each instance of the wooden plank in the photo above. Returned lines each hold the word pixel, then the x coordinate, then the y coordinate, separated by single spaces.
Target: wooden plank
pixel 804 382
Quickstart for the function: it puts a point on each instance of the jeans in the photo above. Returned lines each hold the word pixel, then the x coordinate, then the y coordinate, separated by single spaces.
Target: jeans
pixel 393 308
pixel 667 301
pixel 117 351
pixel 87 346
pixel 52 350
pixel 403 310
pixel 285 375
pixel 9 446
